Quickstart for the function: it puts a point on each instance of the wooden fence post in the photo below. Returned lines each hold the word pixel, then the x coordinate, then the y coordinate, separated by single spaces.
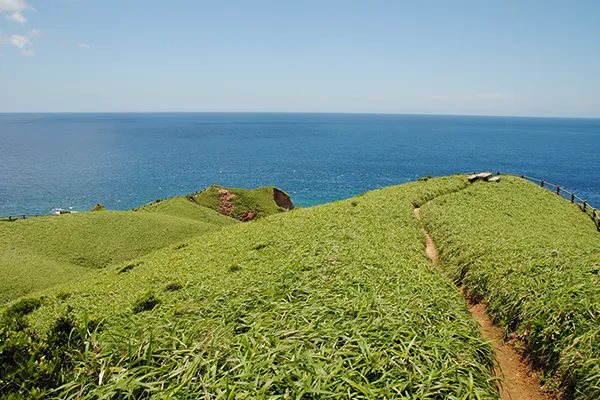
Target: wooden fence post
pixel 585 206
pixel 572 197
pixel 542 183
pixel 558 190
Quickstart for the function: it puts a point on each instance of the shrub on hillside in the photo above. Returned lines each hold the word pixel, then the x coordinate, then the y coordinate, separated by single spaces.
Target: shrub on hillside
pixel 98 207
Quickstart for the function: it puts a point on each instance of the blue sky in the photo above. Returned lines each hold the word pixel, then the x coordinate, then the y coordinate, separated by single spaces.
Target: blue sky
pixel 533 58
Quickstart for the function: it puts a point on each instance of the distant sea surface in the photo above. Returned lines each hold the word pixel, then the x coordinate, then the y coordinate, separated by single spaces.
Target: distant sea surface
pixel 73 161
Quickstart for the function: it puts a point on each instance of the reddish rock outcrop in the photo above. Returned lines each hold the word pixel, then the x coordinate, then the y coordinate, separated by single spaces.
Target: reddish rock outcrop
pixel 226 203
pixel 247 216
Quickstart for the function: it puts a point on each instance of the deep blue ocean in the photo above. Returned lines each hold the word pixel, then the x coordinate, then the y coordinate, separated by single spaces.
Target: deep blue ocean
pixel 73 161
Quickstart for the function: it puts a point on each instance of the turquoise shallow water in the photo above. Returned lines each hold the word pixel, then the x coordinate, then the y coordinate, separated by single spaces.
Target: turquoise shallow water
pixel 73 161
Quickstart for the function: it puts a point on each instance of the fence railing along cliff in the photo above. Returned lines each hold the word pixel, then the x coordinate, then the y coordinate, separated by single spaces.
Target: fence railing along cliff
pixel 565 194
pixel 11 218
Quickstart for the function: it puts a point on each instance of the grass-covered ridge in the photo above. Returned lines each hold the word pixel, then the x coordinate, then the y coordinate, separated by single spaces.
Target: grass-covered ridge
pixel 183 207
pixel 41 252
pixel 335 301
pixel 535 259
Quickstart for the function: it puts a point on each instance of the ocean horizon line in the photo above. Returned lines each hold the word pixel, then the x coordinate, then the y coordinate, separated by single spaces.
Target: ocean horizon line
pixel 297 112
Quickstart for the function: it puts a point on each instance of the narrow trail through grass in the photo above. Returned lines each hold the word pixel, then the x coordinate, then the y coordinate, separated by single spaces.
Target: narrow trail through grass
pixel 518 381
pixel 430 248
pixel 535 259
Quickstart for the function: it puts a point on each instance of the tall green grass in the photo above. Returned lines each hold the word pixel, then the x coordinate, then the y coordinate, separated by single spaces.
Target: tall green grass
pixel 41 252
pixel 535 259
pixel 337 301
pixel 182 207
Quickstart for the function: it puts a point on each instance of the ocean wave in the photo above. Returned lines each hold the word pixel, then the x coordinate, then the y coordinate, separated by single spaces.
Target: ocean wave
pixel 57 211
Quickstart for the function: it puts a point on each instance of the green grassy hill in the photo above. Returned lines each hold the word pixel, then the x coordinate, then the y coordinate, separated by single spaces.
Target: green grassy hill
pixel 41 252
pixel 335 301
pixel 535 259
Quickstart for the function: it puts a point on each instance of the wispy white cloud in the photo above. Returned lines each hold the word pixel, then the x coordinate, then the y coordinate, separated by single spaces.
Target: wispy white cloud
pixel 17 17
pixel 14 10
pixel 14 5
pixel 21 42
pixel 83 46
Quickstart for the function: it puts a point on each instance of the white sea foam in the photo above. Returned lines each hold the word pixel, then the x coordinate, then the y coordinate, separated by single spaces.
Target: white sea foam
pixel 57 211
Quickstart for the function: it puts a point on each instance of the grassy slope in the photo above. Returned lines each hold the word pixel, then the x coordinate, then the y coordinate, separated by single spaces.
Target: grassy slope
pixel 335 301
pixel 536 260
pixel 259 200
pixel 42 252
pixel 182 207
